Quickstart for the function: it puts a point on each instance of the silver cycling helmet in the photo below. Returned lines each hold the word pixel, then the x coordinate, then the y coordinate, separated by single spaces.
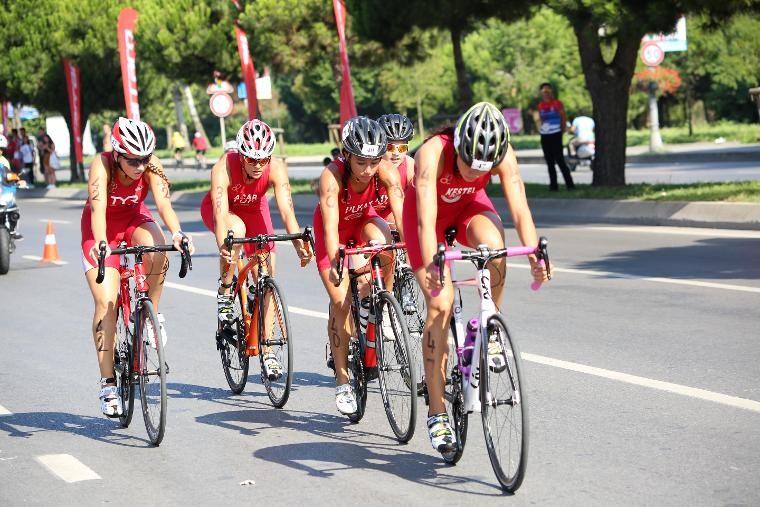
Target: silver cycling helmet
pixel 364 137
pixel 481 136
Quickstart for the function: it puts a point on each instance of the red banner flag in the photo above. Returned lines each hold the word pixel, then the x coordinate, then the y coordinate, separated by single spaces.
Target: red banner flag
pixel 128 57
pixel 347 104
pixel 73 87
pixel 249 73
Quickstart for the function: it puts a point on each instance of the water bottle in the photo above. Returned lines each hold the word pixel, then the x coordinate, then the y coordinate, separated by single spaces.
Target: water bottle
pixel 469 341
pixel 363 315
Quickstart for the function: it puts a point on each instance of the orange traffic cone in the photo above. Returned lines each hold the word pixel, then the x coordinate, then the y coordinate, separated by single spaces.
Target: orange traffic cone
pixel 50 254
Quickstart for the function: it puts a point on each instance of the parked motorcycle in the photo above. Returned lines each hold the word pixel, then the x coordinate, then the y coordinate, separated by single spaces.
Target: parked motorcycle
pixel 9 215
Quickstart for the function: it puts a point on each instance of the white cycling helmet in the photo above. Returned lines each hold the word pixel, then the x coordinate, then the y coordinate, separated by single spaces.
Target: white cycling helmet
pixel 132 137
pixel 256 140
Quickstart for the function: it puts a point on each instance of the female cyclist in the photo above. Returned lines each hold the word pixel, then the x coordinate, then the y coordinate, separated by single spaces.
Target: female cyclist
pixel 115 211
pixel 237 202
pixel 454 168
pixel 347 188
pixel 398 130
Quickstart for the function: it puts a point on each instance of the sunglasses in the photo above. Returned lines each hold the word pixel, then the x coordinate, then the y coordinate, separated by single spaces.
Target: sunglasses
pixel 137 162
pixel 400 148
pixel 261 162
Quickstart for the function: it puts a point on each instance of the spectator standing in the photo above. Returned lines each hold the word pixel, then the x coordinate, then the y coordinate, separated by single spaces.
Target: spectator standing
pixel 553 120
pixel 27 158
pixel 178 143
pixel 46 147
pixel 199 143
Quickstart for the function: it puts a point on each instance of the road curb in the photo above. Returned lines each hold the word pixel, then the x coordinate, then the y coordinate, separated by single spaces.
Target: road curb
pixel 720 215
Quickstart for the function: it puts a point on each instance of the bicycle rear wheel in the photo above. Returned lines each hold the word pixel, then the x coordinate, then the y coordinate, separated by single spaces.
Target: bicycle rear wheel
pixel 231 344
pixel 412 302
pixel 397 376
pixel 123 366
pixel 453 397
pixel 504 408
pixel 151 371
pixel 279 344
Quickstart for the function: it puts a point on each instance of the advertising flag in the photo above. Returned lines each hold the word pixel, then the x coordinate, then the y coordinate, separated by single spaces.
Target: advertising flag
pixel 347 104
pixel 128 56
pixel 249 73
pixel 73 87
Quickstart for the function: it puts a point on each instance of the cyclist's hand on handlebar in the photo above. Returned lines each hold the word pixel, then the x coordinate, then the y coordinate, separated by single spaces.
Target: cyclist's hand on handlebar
pixel 433 279
pixel 334 276
pixel 538 269
pixel 177 242
pixel 303 250
pixel 95 250
pixel 225 254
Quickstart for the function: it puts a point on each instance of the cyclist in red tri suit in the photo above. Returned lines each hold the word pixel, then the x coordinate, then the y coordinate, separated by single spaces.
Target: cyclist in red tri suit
pixel 115 211
pixel 453 169
pixel 347 188
pixel 398 130
pixel 237 202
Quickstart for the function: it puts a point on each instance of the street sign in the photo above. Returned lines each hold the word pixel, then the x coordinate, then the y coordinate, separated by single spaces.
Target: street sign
pixel 651 54
pixel 674 41
pixel 220 104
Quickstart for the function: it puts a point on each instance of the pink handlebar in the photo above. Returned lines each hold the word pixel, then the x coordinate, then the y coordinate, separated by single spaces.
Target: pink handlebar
pixel 513 251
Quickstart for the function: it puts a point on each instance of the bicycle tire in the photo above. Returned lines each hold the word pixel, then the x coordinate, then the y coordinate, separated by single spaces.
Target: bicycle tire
pixel 280 344
pixel 396 373
pixel 232 346
pixel 453 397
pixel 504 408
pixel 406 288
pixel 5 250
pixel 151 372
pixel 123 365
pixel 357 380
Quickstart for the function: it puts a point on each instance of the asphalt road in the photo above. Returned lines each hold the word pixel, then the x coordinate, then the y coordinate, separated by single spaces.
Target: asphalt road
pixel 642 366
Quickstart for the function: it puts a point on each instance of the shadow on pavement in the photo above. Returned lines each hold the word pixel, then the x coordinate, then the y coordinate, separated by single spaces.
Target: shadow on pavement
pixel 26 425
pixel 711 259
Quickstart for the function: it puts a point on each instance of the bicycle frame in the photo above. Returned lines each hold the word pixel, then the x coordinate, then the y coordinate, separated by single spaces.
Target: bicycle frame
pixel 481 258
pixel 245 268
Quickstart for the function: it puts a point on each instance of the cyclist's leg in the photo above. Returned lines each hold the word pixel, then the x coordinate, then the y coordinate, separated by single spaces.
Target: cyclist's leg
pixel 236 224
pixel 485 228
pixel 337 325
pixel 155 264
pixel 375 228
pixel 104 318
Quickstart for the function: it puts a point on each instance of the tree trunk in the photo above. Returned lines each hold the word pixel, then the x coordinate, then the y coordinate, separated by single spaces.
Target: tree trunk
pixel 193 112
pixel 179 112
pixel 609 87
pixel 465 92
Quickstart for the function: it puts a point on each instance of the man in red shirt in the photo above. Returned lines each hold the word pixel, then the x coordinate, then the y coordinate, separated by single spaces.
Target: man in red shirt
pixel 553 121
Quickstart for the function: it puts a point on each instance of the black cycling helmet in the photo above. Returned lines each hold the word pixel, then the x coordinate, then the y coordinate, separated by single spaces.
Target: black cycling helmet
pixel 481 136
pixel 397 127
pixel 364 137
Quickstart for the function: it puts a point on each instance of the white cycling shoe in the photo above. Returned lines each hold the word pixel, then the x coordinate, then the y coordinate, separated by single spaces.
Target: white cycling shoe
pixel 110 404
pixel 345 399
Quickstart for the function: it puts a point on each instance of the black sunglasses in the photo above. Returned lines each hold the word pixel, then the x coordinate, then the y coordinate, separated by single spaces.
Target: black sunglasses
pixel 136 162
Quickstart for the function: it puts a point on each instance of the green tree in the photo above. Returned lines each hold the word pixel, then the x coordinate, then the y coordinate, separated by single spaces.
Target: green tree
pixel 609 33
pixel 389 21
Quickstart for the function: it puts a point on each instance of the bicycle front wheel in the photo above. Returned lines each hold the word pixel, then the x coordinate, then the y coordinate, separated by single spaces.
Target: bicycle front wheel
pixel 398 385
pixel 453 397
pixel 276 342
pixel 123 366
pixel 151 371
pixel 231 344
pixel 412 301
pixel 503 405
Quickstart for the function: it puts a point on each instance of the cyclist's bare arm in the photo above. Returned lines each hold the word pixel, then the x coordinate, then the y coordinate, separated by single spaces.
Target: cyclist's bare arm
pixel 514 192
pixel 220 182
pixel 97 189
pixel 429 161
pixel 162 197
pixel 278 179
pixel 390 179
pixel 329 200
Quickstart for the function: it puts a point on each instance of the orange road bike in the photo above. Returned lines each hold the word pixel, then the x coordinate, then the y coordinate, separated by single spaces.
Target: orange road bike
pixel 260 325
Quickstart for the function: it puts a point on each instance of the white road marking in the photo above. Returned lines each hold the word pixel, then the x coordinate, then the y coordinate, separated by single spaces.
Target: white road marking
pixel 37 258
pixel 692 392
pixel 656 279
pixel 46 220
pixel 676 231
pixel 5 411
pixel 67 467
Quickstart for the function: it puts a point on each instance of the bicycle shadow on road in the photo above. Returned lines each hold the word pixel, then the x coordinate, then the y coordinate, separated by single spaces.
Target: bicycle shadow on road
pixel 28 424
pixel 713 258
pixel 411 466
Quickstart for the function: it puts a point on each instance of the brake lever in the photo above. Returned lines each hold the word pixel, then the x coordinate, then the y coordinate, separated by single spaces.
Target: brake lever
pixel 101 262
pixel 341 257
